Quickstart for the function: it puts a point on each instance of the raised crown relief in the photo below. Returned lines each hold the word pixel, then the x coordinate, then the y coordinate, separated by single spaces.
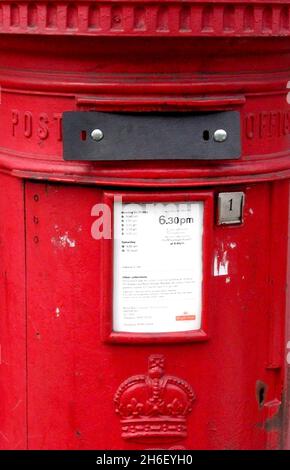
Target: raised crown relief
pixel 154 406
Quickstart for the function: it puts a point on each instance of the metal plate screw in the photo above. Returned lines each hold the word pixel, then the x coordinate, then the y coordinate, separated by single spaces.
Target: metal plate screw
pixel 220 135
pixel 97 135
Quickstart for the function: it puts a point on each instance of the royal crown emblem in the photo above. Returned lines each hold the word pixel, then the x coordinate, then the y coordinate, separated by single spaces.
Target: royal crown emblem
pixel 154 406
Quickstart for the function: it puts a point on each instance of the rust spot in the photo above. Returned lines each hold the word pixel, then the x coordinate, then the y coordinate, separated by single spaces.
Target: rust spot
pixel 275 422
pixel 285 413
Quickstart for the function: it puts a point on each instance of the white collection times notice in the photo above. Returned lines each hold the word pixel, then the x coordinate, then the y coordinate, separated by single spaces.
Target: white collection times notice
pixel 157 267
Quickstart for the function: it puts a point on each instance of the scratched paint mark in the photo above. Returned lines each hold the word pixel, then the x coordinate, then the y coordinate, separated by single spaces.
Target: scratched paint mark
pixel 251 212
pixel 4 436
pixel 221 265
pixel 17 405
pixel 63 241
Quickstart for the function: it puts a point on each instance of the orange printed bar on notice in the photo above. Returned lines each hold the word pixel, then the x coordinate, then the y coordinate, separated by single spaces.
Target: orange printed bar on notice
pixel 185 317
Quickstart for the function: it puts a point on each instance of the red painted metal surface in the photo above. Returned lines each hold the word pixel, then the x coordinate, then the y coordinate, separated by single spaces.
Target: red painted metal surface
pixel 63 384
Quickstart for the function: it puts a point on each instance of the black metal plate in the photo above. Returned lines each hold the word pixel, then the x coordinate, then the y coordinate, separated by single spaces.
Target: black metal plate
pixel 150 136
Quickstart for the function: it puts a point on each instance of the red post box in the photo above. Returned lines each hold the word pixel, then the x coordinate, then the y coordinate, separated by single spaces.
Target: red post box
pixel 144 218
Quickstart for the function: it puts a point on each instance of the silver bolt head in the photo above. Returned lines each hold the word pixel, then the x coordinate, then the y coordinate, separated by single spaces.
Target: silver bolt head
pixel 97 135
pixel 220 135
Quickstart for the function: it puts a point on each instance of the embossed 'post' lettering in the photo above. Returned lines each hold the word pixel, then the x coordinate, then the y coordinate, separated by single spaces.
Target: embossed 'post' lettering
pixel 58 118
pixel 15 121
pixel 36 126
pixel 42 130
pixel 28 124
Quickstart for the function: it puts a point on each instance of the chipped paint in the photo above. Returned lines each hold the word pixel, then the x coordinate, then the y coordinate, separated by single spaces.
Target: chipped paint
pixel 228 280
pixel 221 265
pixel 63 241
pixel 251 212
pixel 288 94
pixel 57 312
pixel 288 353
pixel 261 393
pixel 233 245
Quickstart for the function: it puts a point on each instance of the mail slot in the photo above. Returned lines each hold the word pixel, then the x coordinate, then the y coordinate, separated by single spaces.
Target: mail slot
pixel 144 221
pixel 113 136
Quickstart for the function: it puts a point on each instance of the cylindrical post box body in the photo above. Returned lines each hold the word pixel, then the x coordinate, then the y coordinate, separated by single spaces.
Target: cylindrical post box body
pixel 144 220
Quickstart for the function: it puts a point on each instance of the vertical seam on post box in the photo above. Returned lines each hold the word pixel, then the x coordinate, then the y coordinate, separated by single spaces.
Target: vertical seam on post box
pixel 286 393
pixel 275 321
pixel 26 305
